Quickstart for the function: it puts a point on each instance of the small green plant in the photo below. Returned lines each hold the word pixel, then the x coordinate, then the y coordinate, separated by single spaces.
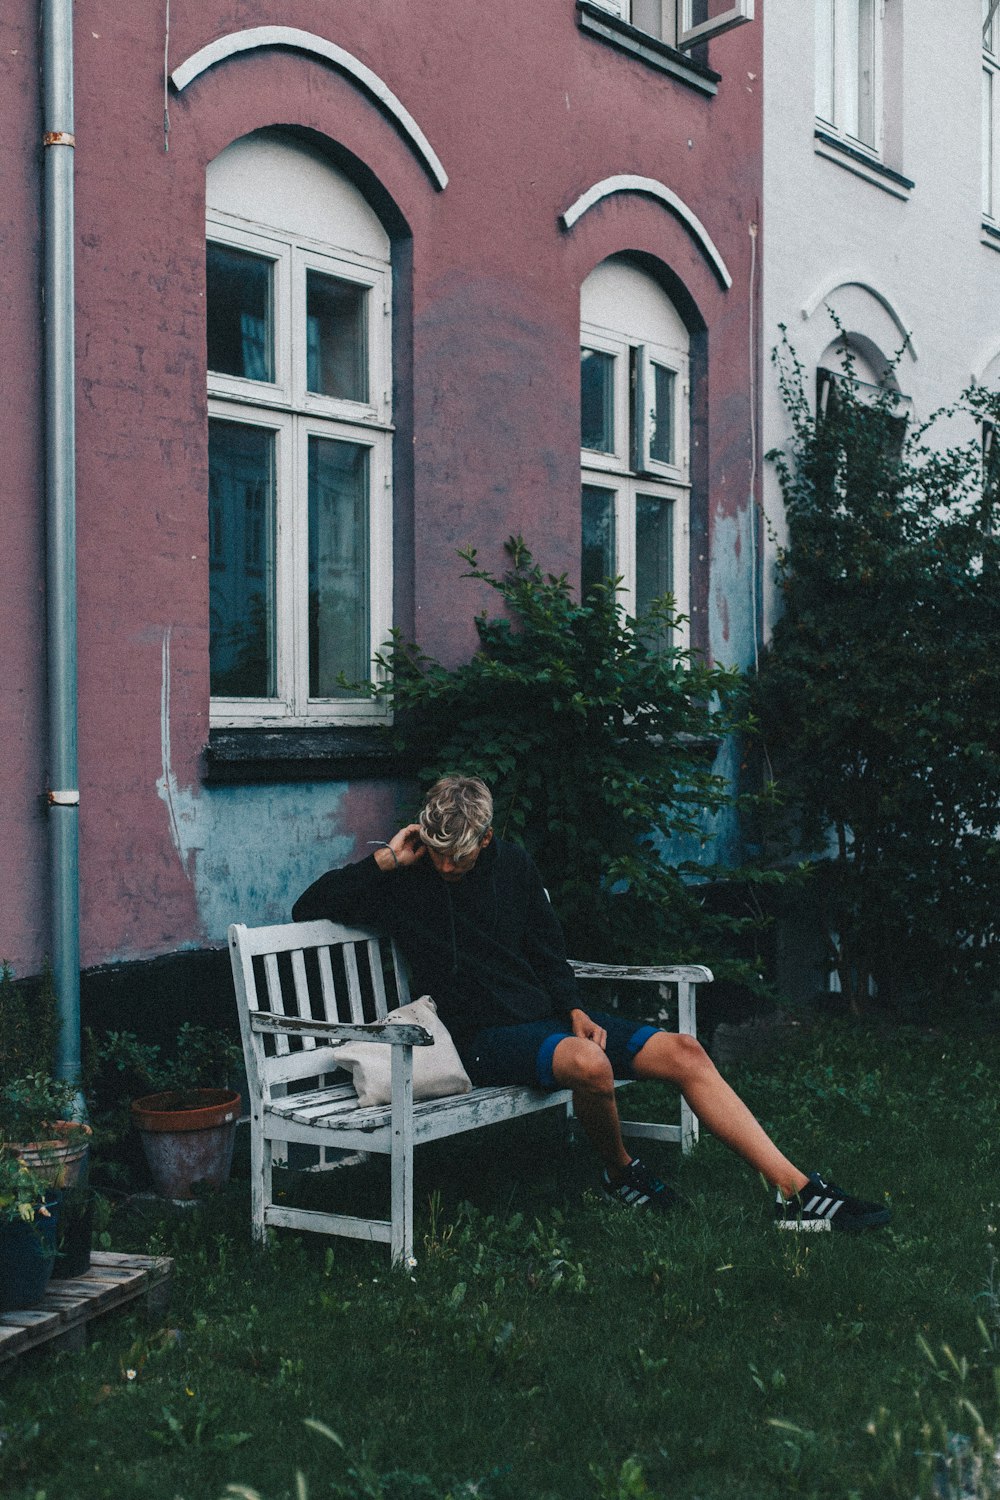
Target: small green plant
pixel 24 1194
pixel 31 1105
pixel 27 1023
pixel 200 1058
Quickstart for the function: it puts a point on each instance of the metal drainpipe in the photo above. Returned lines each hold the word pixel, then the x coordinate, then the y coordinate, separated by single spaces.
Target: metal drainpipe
pixel 60 514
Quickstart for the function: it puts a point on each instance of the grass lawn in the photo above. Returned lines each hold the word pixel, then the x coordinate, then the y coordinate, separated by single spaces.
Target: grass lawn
pixel 549 1347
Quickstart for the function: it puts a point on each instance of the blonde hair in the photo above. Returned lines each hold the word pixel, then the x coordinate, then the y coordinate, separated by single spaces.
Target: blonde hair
pixel 456 815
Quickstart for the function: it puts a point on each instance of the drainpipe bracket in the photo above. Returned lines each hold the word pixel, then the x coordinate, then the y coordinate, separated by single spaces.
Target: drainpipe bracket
pixel 63 799
pixel 58 138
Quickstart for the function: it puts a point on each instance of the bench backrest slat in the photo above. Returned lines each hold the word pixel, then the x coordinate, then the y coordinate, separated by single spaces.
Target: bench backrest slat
pixel 353 986
pixel 302 1005
pixel 318 971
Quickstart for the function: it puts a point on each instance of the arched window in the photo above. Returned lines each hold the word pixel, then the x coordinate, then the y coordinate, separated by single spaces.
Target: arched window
pixel 634 433
pixel 858 361
pixel 300 429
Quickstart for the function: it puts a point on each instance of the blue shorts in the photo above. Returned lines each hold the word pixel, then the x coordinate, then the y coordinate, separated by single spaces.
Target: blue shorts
pixel 523 1053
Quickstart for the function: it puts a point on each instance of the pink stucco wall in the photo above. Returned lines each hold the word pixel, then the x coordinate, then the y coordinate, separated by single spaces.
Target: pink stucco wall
pixel 526 113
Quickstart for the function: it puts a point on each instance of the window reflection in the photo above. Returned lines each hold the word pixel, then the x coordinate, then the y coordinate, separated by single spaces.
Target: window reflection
pixel 241 543
pixel 239 296
pixel 338 566
pixel 337 334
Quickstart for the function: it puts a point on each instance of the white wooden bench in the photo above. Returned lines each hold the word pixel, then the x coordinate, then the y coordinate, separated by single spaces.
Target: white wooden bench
pixel 305 987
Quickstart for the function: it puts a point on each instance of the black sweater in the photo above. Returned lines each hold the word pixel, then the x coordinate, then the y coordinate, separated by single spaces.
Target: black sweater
pixel 487 948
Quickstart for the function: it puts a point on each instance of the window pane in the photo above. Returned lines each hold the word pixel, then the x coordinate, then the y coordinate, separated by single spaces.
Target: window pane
pixel 865 130
pixel 239 296
pixel 988 142
pixel 597 555
pixel 824 60
pixel 241 557
pixel 337 334
pixel 857 70
pixel 597 401
pixel 655 17
pixel 661 436
pixel 338 566
pixel 654 550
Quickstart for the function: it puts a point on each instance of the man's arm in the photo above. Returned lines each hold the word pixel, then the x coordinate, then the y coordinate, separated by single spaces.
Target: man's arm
pixel 357 892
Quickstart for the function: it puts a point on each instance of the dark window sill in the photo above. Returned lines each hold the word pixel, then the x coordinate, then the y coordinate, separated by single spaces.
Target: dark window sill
pixel 598 22
pixel 853 154
pixel 991 234
pixel 338 753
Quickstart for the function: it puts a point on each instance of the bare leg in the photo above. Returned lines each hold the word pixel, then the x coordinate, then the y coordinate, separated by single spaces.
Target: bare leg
pixel 680 1059
pixel 583 1067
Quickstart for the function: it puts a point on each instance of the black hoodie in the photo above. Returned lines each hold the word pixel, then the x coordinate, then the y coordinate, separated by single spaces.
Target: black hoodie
pixel 488 948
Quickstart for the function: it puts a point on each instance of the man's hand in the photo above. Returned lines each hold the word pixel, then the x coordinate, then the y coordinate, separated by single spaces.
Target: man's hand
pixel 589 1030
pixel 406 845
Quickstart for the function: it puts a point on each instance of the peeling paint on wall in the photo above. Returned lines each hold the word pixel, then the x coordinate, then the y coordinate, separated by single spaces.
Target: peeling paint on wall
pixel 249 850
pixel 731 624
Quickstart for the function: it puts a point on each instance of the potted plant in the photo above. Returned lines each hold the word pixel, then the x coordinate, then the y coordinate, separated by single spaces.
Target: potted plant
pixel 35 1126
pixel 186 1114
pixel 29 1208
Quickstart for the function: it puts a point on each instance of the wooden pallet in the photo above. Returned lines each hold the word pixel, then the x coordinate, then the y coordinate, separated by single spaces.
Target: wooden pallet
pixel 62 1318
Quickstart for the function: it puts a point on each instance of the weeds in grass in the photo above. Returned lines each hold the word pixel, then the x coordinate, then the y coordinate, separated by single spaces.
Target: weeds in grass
pixel 362 1481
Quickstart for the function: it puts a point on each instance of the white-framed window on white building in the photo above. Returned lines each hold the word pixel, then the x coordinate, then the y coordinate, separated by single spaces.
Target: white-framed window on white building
pixel 681 23
pixel 849 57
pixel 634 436
pixel 991 113
pixel 298 304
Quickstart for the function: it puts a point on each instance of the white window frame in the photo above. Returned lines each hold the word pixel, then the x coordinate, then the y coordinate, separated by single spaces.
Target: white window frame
pixel 991 114
pixel 631 474
pixel 677 27
pixel 845 65
pixel 293 413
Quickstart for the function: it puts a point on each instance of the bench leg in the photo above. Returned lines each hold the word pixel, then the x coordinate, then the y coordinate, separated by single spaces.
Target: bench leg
pixel 261 1192
pixel 687 1021
pixel 401 1160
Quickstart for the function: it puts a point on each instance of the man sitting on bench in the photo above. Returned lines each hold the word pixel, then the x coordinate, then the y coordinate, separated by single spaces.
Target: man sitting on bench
pixel 473 921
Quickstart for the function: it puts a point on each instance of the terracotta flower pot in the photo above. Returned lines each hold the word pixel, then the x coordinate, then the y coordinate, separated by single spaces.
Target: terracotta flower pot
pixel 188 1138
pixel 60 1159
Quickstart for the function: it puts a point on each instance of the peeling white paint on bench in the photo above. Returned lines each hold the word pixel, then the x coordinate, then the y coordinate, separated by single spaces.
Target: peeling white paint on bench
pixel 303 989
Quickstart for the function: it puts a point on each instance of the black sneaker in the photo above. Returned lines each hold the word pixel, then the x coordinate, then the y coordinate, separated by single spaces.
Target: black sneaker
pixel 822 1205
pixel 637 1188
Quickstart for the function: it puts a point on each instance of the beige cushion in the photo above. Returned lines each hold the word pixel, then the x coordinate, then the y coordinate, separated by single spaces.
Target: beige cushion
pixel 437 1070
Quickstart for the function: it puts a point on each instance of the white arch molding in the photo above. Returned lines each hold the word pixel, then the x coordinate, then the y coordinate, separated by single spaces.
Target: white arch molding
pixel 865 284
pixel 256 37
pixel 986 370
pixel 649 187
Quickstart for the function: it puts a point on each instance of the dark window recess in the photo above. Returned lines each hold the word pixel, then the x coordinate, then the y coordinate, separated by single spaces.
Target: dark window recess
pixel 239 295
pixel 334 753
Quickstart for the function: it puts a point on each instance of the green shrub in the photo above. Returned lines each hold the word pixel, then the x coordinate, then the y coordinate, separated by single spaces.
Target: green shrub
pixel 879 698
pixel 598 737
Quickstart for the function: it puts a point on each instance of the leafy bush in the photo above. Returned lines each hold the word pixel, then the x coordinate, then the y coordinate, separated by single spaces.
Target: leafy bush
pixel 597 736
pixel 28 1024
pixel 879 698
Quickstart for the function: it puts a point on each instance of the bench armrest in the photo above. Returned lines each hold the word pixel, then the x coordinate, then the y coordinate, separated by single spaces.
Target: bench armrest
pixel 398 1034
pixel 656 973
